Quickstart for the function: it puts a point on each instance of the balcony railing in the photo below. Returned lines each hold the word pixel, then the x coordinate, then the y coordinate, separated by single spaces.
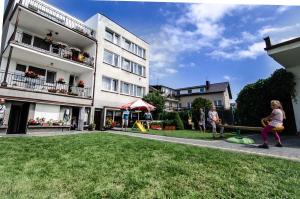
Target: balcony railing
pixel 20 81
pixel 56 49
pixel 57 16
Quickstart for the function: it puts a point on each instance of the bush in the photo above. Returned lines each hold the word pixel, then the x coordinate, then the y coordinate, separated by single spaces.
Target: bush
pixel 173 116
pixel 253 102
pixel 156 100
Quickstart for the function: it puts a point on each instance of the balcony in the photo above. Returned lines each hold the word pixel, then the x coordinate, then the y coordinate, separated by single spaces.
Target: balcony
pixel 57 16
pixel 39 84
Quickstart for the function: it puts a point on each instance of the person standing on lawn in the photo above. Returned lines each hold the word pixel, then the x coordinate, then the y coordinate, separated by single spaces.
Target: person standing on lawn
pixel 2 111
pixel 148 118
pixel 125 119
pixel 202 120
pixel 276 120
pixel 214 120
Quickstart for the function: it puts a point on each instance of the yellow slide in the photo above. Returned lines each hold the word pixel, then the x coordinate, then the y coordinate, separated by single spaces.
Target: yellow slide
pixel 139 125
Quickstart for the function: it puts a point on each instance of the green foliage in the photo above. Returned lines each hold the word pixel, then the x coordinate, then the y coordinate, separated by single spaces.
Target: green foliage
pixel 156 100
pixel 184 115
pixel 253 102
pixel 173 116
pixel 201 103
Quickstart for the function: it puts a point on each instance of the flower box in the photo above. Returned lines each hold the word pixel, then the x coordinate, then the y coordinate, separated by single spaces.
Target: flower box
pixel 170 128
pixel 52 90
pixel 31 74
pixel 155 127
pixel 80 84
pixel 61 81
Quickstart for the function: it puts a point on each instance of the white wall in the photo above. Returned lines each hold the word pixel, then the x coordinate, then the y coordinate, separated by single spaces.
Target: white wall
pixel 296 103
pixel 1 19
pixel 47 111
pixel 103 98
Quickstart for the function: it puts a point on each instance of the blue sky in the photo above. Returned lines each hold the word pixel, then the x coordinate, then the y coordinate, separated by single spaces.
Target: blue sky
pixel 192 43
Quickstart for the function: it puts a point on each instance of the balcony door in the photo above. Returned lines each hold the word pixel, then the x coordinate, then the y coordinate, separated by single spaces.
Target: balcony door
pixel 18 116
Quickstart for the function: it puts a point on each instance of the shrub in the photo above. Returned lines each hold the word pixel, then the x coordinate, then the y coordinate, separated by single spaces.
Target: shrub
pixel 158 101
pixel 173 116
pixel 253 102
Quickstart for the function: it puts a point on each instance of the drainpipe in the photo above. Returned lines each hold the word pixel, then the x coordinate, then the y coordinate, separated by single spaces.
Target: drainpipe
pixel 4 83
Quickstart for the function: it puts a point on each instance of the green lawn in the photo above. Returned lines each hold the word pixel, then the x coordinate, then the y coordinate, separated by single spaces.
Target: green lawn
pixel 193 134
pixel 112 166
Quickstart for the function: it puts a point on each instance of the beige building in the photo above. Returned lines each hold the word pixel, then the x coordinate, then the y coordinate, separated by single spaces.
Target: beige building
pixel 287 54
pixel 218 93
pixel 122 73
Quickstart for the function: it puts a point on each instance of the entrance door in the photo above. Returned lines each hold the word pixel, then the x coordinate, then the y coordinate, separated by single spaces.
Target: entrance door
pixel 75 117
pixel 97 119
pixel 71 83
pixel 18 116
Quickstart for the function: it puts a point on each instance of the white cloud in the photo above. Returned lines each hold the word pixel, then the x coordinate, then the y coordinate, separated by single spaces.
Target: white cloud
pixel 271 30
pixel 282 9
pixel 226 77
pixel 225 43
pixel 171 70
pixel 263 19
pixel 198 26
pixel 252 51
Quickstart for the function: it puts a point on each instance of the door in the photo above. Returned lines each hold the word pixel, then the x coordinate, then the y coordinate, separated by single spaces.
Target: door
pixel 17 123
pixel 97 119
pixel 71 83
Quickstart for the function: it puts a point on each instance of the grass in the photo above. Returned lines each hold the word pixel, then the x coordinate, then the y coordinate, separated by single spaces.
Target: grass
pixel 192 134
pixel 112 166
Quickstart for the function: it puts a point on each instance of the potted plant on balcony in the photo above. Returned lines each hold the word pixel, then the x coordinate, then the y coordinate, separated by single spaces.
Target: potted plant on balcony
pixel 80 84
pixel 62 91
pixel 61 80
pixel 31 74
pixel 33 122
pixel 52 90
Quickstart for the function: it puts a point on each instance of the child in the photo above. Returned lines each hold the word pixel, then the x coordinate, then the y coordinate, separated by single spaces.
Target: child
pixel 276 118
pixel 202 120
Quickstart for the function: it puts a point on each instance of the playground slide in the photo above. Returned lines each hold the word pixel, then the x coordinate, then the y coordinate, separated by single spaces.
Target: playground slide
pixel 140 126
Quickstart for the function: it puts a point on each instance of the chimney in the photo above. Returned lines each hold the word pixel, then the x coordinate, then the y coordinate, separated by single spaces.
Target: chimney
pixel 207 84
pixel 268 42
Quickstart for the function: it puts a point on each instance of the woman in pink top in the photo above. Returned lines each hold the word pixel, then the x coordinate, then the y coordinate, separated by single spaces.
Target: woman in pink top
pixel 276 118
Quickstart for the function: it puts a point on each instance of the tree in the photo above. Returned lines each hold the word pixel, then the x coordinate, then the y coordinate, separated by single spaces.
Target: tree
pixel 253 102
pixel 156 100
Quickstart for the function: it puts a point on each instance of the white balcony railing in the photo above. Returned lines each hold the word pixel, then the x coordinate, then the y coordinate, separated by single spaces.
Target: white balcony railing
pixel 56 49
pixel 58 16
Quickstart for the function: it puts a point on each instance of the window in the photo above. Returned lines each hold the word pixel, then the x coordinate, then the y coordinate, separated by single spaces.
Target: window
pixel 110 84
pixel 126 88
pixel 38 71
pixel 189 105
pixel 111 58
pixel 40 43
pixel 218 102
pixel 139 91
pixel 127 44
pixel 126 64
pixel 109 35
pixel 179 105
pixel 202 90
pixel 190 91
pixel 26 39
pixel 112 37
pixel 51 76
pixel 21 68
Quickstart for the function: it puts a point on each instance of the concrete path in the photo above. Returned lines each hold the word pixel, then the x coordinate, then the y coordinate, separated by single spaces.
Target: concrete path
pixel 290 152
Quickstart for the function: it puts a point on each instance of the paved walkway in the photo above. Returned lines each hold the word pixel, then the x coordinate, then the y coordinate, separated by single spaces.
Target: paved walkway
pixel 291 151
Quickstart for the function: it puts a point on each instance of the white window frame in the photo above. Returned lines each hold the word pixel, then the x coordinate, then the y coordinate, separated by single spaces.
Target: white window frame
pixel 116 38
pixel 111 84
pixel 114 56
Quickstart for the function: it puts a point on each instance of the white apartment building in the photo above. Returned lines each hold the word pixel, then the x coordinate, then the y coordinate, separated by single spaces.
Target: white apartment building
pixel 122 73
pixel 57 71
pixel 47 68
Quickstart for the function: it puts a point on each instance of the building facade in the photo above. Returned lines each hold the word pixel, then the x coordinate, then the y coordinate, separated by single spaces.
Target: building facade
pixel 218 93
pixel 122 73
pixel 56 69
pixel 47 67
pixel 171 98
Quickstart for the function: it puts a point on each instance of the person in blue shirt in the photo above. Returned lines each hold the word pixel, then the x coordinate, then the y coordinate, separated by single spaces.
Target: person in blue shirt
pixel 125 119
